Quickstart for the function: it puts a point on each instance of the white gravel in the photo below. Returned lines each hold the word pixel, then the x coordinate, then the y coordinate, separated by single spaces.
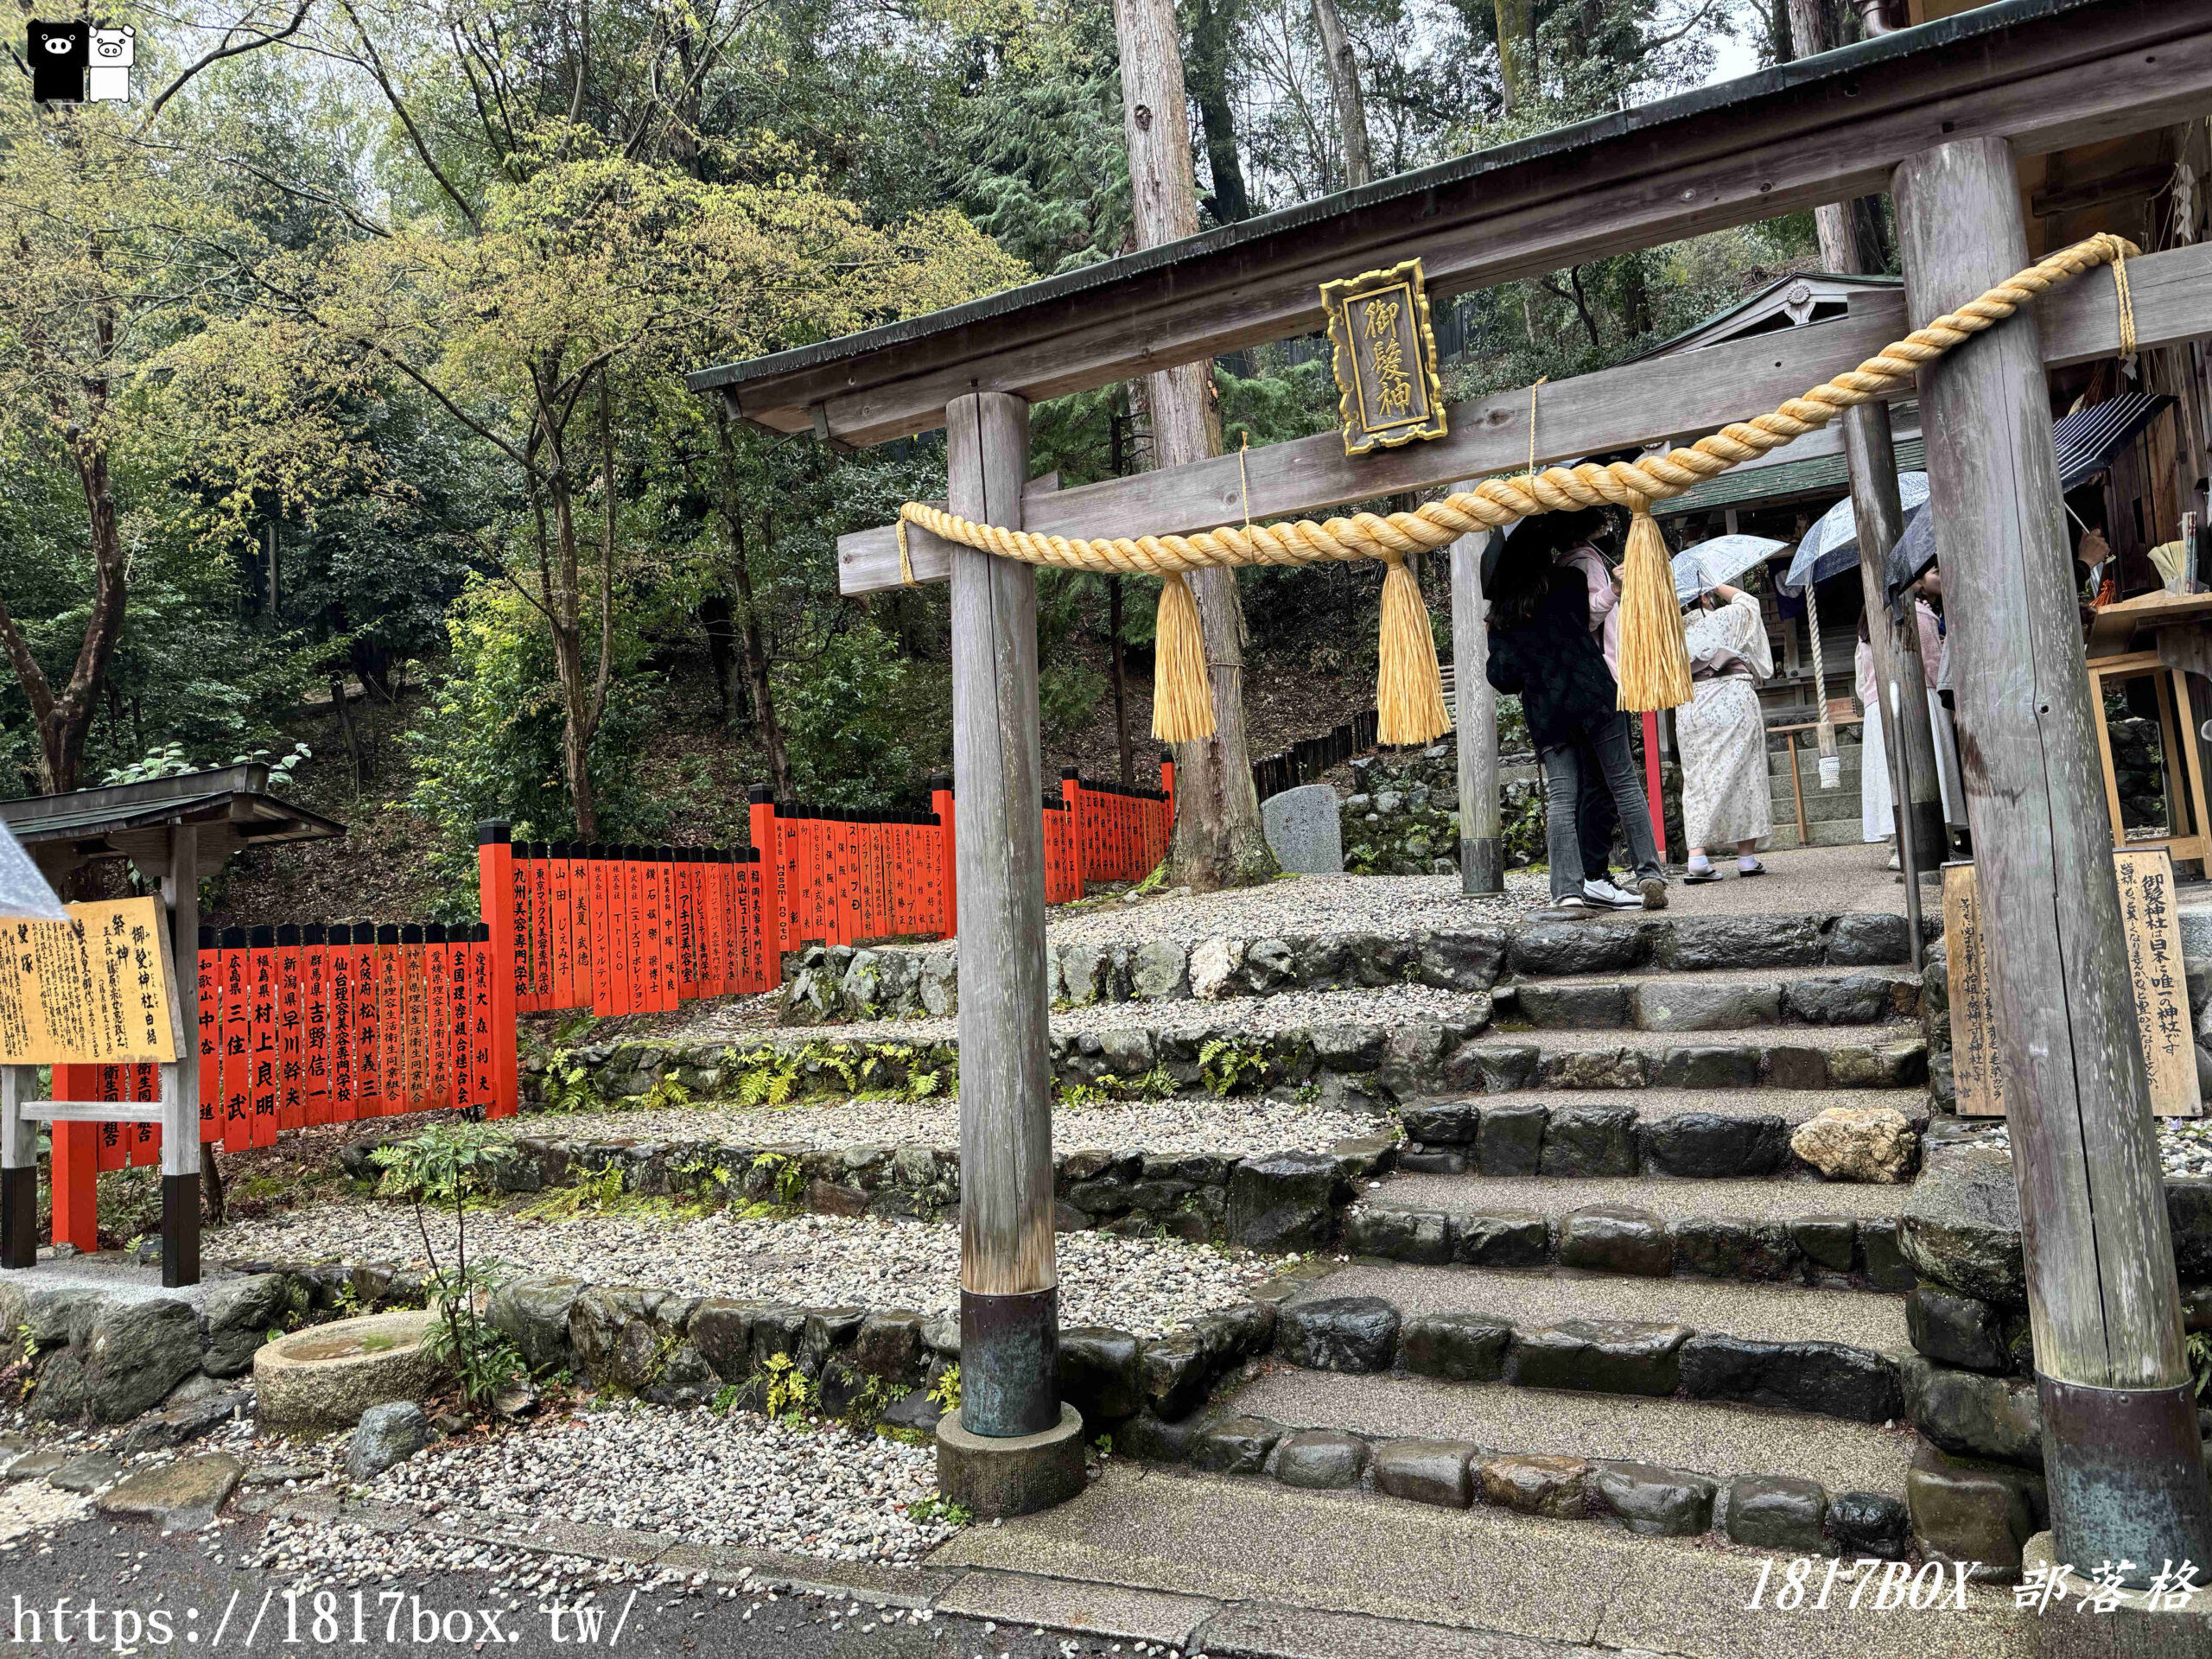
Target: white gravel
pixel 1293 905
pixel 2184 1143
pixel 31 1508
pixel 1381 1005
pixel 1239 1128
pixel 1145 1285
pixel 739 1479
pixel 314 1554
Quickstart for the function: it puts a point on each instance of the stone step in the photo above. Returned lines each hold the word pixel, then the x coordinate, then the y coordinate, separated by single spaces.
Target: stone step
pixel 1605 944
pixel 1709 1441
pixel 1833 832
pixel 1819 1232
pixel 882 989
pixel 1816 1057
pixel 1692 1133
pixel 1792 1106
pixel 1348 1575
pixel 1829 1352
pixel 1656 999
pixel 1822 806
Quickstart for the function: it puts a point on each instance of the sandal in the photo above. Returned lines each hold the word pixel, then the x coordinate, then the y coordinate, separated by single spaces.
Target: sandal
pixel 1699 878
pixel 1743 874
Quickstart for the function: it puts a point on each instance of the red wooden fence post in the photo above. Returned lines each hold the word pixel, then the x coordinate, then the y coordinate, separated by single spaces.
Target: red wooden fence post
pixel 291 1031
pixel 495 907
pixel 368 1024
pixel 314 1011
pixel 209 967
pixel 1071 792
pixel 1654 802
pixel 948 903
pixel 237 1097
pixel 343 1079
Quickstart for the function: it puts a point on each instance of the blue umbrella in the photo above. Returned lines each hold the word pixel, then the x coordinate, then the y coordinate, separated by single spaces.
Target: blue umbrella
pixel 1831 547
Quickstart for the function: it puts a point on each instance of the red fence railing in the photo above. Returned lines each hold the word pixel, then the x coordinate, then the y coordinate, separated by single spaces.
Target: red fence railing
pixel 306 1025
pixel 300 1025
pixel 622 929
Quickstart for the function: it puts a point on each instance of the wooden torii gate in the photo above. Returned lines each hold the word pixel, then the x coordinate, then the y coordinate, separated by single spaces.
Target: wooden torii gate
pixel 1938 115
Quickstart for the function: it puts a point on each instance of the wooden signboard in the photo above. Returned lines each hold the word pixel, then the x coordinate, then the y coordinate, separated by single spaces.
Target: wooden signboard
pixel 93 990
pixel 1385 358
pixel 2152 932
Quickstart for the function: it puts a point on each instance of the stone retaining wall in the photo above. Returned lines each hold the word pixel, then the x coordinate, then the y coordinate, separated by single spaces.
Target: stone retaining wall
pixel 114 1353
pixel 1282 1201
pixel 1970 1385
pixel 834 984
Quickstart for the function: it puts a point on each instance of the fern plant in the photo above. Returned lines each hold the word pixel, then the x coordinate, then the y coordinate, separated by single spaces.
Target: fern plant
pixel 786 1178
pixel 1231 1067
pixel 666 1095
pixel 567 1085
pixel 766 1076
pixel 786 1394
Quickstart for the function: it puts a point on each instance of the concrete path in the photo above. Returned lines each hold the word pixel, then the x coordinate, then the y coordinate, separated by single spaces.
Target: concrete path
pixel 1263 1570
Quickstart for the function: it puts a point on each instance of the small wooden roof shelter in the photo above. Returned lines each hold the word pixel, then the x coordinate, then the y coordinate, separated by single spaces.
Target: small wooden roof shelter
pixel 230 807
pixel 174 831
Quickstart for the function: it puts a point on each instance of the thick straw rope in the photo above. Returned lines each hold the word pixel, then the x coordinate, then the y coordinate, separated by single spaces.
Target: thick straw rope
pixel 1499 501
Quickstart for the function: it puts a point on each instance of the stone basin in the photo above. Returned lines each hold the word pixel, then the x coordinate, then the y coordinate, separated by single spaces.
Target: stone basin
pixel 326 1377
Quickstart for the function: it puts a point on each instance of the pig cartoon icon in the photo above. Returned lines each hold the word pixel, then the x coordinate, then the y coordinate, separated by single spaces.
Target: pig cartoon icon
pixel 113 50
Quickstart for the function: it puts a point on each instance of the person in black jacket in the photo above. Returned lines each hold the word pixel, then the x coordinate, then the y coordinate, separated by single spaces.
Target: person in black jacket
pixel 1540 649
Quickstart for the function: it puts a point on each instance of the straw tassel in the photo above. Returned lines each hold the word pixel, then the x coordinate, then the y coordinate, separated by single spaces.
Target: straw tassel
pixel 1655 661
pixel 1408 691
pixel 1182 699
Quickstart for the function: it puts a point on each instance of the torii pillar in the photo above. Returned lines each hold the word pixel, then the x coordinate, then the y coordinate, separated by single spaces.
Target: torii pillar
pixel 2120 1448
pixel 1012 1446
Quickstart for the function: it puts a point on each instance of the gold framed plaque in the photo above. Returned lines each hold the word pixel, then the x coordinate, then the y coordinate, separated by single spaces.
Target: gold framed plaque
pixel 1385 358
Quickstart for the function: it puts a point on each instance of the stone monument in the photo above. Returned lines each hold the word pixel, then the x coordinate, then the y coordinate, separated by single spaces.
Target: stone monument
pixel 1301 828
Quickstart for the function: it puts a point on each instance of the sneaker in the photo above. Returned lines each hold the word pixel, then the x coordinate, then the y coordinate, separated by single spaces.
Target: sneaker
pixel 1893 864
pixel 1655 891
pixel 1572 901
pixel 1606 896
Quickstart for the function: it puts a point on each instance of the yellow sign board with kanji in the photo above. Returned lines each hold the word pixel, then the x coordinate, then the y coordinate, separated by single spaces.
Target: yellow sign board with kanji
pixel 2151 929
pixel 1385 356
pixel 94 990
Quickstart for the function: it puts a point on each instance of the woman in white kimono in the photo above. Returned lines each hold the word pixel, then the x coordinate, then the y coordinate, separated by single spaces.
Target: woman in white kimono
pixel 1877 815
pixel 1723 736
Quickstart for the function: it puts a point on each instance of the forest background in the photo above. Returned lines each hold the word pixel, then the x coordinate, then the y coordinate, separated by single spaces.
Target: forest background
pixel 341 405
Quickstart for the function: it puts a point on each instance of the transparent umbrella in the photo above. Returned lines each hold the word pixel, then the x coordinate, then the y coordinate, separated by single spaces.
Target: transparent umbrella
pixel 1724 558
pixel 1831 547
pixel 24 891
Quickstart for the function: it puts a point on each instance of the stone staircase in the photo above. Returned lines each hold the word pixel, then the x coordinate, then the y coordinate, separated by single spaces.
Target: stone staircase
pixel 1600 1281
pixel 1632 1260
pixel 1831 815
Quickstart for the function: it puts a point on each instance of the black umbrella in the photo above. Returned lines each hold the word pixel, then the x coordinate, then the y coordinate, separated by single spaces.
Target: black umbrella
pixel 1911 554
pixel 2086 441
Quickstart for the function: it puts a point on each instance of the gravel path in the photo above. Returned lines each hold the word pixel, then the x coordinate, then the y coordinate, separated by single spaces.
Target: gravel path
pixel 1239 1128
pixel 739 1479
pixel 1145 1286
pixel 1293 905
pixel 1385 1005
pixel 2184 1143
